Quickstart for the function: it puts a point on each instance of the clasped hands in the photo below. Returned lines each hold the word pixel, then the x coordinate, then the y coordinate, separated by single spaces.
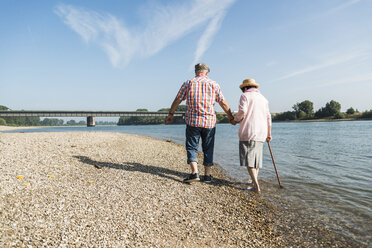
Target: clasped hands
pixel 232 121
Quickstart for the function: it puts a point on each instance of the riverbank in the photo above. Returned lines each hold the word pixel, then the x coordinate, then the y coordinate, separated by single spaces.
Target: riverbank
pixel 53 194
pixel 326 120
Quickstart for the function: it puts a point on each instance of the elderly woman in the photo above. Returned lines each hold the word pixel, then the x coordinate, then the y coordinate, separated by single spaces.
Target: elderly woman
pixel 255 128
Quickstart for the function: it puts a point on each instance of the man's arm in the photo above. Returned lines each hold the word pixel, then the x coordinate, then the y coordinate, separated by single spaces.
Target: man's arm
pixel 175 104
pixel 225 106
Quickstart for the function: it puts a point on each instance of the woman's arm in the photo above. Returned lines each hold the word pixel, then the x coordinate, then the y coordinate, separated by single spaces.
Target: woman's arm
pixel 242 109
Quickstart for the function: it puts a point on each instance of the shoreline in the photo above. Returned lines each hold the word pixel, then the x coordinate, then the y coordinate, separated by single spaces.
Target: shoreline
pixel 325 120
pixel 10 128
pixel 270 229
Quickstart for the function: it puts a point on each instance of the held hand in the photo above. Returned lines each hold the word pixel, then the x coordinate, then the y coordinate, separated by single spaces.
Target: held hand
pixel 233 122
pixel 269 138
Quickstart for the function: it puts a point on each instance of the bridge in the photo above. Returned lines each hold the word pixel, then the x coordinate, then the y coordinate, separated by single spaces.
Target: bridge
pixel 89 114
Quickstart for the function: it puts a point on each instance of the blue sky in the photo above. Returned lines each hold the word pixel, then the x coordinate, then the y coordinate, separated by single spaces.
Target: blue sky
pixel 125 55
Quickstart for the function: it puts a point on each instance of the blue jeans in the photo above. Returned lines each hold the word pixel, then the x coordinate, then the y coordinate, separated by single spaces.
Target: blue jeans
pixel 193 134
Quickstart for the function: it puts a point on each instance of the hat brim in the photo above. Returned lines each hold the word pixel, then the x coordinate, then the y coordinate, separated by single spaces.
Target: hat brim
pixel 249 84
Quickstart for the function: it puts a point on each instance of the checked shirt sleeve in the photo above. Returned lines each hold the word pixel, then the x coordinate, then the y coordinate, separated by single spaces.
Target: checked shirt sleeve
pixel 219 95
pixel 182 93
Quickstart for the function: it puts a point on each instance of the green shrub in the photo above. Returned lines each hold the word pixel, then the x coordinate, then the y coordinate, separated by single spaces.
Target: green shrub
pixel 302 115
pixel 350 111
pixel 285 116
pixel 2 122
pixel 339 115
pixel 367 114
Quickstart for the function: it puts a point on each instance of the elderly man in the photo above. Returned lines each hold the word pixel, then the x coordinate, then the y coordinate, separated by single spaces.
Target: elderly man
pixel 254 129
pixel 200 94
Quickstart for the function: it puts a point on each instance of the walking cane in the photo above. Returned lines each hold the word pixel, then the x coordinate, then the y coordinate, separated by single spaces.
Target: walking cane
pixel 276 171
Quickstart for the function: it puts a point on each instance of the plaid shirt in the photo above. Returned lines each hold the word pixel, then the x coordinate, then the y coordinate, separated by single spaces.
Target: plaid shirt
pixel 200 94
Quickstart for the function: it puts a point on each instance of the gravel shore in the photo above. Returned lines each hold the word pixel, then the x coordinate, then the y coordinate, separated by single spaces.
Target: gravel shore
pixel 118 190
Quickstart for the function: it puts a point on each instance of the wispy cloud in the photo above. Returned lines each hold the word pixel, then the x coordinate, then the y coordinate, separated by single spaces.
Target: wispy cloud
pixel 343 6
pixel 315 16
pixel 166 25
pixel 334 10
pixel 349 80
pixel 206 38
pixel 322 65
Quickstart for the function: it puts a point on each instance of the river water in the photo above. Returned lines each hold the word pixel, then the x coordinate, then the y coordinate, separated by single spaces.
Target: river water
pixel 325 168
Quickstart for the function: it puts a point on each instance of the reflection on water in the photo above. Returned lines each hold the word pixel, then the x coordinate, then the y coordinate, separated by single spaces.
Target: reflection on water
pixel 325 167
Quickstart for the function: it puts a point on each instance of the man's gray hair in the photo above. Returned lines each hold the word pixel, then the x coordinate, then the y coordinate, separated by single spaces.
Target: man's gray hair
pixel 201 67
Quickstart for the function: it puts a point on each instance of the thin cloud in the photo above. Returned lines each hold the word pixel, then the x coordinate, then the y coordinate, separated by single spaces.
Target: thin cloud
pixel 350 80
pixel 343 6
pixel 334 9
pixel 357 79
pixel 206 38
pixel 325 64
pixel 317 15
pixel 167 24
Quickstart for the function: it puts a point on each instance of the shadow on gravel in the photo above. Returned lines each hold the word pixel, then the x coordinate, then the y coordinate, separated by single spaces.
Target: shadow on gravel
pixel 154 170
pixel 150 169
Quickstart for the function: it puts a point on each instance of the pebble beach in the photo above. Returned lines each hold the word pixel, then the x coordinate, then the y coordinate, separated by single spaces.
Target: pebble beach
pixel 92 189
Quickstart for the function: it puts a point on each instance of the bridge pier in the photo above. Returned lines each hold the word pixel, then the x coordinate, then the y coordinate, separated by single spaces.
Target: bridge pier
pixel 90 121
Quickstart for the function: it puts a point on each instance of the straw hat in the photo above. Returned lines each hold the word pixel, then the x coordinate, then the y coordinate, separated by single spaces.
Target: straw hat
pixel 249 82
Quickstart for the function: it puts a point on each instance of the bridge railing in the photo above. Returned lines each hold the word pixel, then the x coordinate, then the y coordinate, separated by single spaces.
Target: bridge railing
pixel 89 114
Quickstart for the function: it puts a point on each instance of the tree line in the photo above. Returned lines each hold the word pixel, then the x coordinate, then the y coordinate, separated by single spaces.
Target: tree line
pixel 332 110
pixel 154 120
pixel 151 120
pixel 35 120
pixel 301 111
